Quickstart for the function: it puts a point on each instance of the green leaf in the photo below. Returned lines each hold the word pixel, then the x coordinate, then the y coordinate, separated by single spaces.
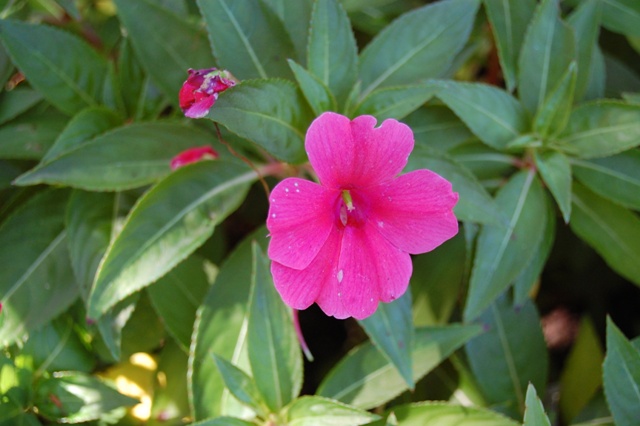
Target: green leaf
pixel 30 135
pixel 438 127
pixel 36 279
pixel 547 50
pixel 600 129
pixel 221 329
pixel 585 21
pixel 62 67
pixel 597 76
pixel 274 351
pixel 315 91
pixel 112 324
pixel 127 157
pixel 223 421
pixel 241 385
pixel 502 252
pixel 612 231
pixel 17 101
pixel 579 388
pixel 84 398
pixel 318 411
pixel 332 54
pixel 166 45
pixel 555 170
pixel 487 164
pixel 534 414
pixel 176 297
pixel 553 114
pixel 622 377
pixel 492 114
pixel 295 16
pixel 365 379
pixel 394 102
pixel 420 44
pixel 475 204
pixel 391 330
pixel 514 345
pixel 271 113
pixel 170 402
pixel 247 38
pixel 509 22
pixel 167 224
pixel 616 178
pixel 443 414
pixel 622 16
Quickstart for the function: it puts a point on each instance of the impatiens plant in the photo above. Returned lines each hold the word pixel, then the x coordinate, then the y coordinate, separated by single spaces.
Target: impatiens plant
pixel 441 196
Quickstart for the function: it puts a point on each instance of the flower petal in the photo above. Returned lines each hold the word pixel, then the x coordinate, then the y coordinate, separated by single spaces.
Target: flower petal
pixel 415 211
pixel 300 220
pixel 348 154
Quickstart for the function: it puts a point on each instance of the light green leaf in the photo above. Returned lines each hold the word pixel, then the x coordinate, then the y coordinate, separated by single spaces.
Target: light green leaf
pixel 600 129
pixel 622 377
pixel 509 22
pixel 534 414
pixel 167 224
pixel 492 114
pixel 502 252
pixel 62 67
pixel 555 170
pixel 553 114
pixel 170 402
pixel 17 101
pixel 394 102
pixel 622 16
pixel 318 411
pixel 241 385
pixel 390 329
pixel 443 414
pixel 420 44
pixel 612 231
pixel 247 38
pixel 317 94
pixel 223 421
pixel 271 113
pixel 547 50
pixel 585 21
pixel 365 379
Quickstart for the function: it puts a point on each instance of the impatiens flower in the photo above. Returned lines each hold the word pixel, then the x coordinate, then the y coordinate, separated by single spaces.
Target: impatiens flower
pixel 192 155
pixel 200 91
pixel 345 244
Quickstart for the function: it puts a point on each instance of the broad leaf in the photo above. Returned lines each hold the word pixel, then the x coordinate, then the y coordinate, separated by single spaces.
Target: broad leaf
pixel 420 44
pixel 513 345
pixel 166 44
pixel 62 67
pixel 534 414
pixel 295 16
pixel 612 231
pixel 167 224
pixel 36 279
pixel 223 421
pixel 30 135
pixel 247 38
pixel 317 411
pixel 585 21
pixel 390 329
pixel 622 16
pixel 442 414
pixel 555 170
pixel 438 127
pixel 492 114
pixel 315 91
pixel 241 385
pixel 622 377
pixel 271 113
pixel 394 102
pixel 553 114
pixel 16 102
pixel 502 252
pixel 547 50
pixel 365 378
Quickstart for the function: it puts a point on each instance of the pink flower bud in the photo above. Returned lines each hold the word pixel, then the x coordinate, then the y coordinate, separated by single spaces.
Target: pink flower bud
pixel 200 91
pixel 192 155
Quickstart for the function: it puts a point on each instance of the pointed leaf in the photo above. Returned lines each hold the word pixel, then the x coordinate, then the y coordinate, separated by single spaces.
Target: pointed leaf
pixel 553 114
pixel 502 252
pixel 534 415
pixel 317 94
pixel 394 102
pixel 443 414
pixel 30 135
pixel 420 44
pixel 390 329
pixel 167 224
pixel 241 385
pixel 17 101
pixel 585 21
pixel 223 421
pixel 247 38
pixel 438 127
pixel 296 17
pixel 622 16
pixel 555 170
pixel 365 379
pixel 318 411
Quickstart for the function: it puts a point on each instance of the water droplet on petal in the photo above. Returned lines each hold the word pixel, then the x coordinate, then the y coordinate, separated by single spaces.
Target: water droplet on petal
pixel 340 275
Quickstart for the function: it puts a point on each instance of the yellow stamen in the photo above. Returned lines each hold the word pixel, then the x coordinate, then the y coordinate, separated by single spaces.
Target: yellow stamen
pixel 348 201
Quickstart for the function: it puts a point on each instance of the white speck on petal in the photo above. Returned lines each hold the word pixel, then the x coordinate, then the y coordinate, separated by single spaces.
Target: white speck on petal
pixel 273 200
pixel 286 190
pixel 273 215
pixel 371 300
pixel 381 224
pixel 295 184
pixel 297 190
pixel 340 275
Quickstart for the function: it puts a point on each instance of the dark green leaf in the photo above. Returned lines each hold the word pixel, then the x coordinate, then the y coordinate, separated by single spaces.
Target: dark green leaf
pixel 318 411
pixel 167 224
pixel 420 44
pixel 514 345
pixel 553 114
pixel 509 22
pixel 534 414
pixel 484 162
pixel 317 94
pixel 365 378
pixel 332 54
pixel 555 170
pixel 271 113
pixel 124 158
pixel 170 401
pixel 166 45
pixel 600 129
pixel 622 16
pixel 111 326
pixel 613 231
pixel 241 385
pixel 247 38
pixel 295 16
pixel 616 178
pixel 29 136
pixel 585 21
pixel 223 421
pixel 547 50
pixel 622 377
pixel 438 127
pixel 61 66
pixel 16 102
pixel 6 67
pixel 492 114
pixel 443 414
pixel 502 252
pixel 390 329
pixel 36 279
pixel 394 102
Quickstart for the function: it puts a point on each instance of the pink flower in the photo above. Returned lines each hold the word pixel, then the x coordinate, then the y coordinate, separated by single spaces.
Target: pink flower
pixel 192 155
pixel 346 243
pixel 200 91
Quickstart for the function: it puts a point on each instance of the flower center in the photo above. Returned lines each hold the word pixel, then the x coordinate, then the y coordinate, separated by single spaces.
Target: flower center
pixel 351 209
